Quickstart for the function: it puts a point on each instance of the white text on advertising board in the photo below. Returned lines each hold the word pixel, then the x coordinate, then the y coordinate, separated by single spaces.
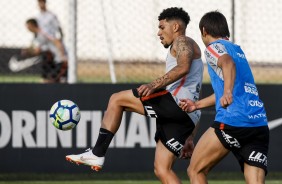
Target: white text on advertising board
pixel 33 130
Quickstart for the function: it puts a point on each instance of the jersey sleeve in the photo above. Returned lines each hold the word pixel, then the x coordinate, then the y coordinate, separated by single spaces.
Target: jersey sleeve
pixel 213 52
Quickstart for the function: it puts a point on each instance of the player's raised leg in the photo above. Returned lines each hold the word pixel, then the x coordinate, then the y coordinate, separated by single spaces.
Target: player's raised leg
pixel 164 160
pixel 119 102
pixel 208 152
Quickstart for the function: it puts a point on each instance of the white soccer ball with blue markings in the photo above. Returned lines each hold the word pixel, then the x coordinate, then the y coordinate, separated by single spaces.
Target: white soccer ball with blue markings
pixel 64 115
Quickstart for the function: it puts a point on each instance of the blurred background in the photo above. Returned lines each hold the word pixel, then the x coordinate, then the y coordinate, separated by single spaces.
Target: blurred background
pixel 116 41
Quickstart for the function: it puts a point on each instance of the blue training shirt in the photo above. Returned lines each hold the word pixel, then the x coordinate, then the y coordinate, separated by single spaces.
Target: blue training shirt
pixel 246 110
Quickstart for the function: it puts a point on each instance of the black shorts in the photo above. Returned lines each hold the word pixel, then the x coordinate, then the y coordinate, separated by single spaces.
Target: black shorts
pixel 248 144
pixel 173 124
pixel 52 70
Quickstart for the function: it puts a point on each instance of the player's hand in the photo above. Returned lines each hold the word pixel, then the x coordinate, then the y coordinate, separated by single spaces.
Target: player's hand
pixel 145 90
pixel 187 149
pixel 226 99
pixel 187 105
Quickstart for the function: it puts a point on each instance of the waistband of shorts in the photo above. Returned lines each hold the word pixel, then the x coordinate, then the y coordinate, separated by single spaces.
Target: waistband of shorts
pixel 223 126
pixel 153 95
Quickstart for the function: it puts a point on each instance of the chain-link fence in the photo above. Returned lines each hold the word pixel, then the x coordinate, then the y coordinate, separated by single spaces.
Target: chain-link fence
pixel 116 40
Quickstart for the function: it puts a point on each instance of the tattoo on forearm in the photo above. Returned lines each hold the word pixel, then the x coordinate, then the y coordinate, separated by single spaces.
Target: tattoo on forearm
pixel 160 82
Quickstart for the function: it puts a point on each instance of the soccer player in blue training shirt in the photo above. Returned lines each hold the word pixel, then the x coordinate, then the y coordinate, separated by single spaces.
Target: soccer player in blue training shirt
pixel 240 124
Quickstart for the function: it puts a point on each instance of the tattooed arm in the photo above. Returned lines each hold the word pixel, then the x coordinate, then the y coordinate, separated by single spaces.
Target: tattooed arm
pixel 182 49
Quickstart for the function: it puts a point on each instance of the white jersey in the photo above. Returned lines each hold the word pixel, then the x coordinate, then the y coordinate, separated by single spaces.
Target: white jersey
pixel 188 86
pixel 44 42
pixel 49 23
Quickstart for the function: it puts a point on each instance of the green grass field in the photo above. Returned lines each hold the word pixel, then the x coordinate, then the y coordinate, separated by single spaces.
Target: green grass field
pixel 123 182
pixel 122 178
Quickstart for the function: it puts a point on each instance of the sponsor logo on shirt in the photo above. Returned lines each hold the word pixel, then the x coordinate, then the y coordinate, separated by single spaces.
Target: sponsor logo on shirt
pixel 241 55
pixel 210 58
pixel 255 103
pixel 257 116
pixel 219 48
pixel 251 88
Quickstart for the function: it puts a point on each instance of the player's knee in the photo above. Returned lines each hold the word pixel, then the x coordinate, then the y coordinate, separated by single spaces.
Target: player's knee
pixel 190 172
pixel 194 172
pixel 156 172
pixel 159 171
pixel 115 98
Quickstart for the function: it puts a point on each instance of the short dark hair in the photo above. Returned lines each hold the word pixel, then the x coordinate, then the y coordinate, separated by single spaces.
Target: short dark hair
pixel 32 21
pixel 175 13
pixel 215 24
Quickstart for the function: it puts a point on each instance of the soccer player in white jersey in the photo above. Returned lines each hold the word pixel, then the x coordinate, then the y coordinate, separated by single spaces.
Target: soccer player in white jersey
pixel 240 124
pixel 48 21
pixel 159 99
pixel 52 51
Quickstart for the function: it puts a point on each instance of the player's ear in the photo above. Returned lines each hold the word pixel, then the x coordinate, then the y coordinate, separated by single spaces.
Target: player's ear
pixel 176 27
pixel 204 32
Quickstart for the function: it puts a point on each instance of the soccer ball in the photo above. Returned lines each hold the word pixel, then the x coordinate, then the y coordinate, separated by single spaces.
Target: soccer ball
pixel 64 115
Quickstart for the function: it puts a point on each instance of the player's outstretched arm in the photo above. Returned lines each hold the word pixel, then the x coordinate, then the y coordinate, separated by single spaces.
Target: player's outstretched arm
pixel 188 105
